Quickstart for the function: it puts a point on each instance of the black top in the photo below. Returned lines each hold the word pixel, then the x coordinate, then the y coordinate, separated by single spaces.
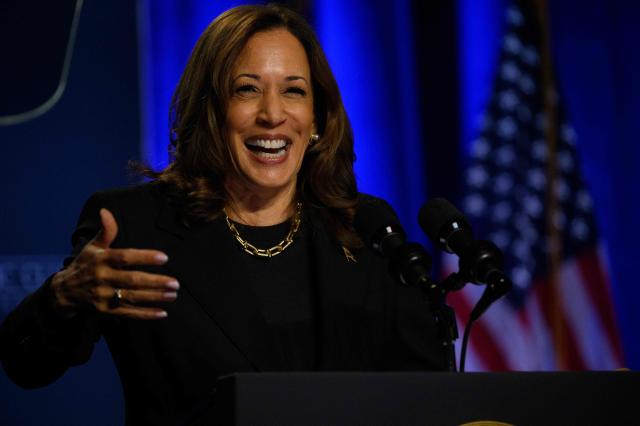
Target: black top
pixel 282 286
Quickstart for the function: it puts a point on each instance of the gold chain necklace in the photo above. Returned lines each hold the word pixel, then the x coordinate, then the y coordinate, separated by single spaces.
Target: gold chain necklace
pixel 273 251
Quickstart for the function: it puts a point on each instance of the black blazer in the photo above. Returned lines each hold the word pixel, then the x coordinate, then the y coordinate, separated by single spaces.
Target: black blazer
pixel 366 320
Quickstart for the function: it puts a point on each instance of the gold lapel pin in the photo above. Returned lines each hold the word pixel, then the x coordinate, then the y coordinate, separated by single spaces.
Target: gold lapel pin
pixel 350 257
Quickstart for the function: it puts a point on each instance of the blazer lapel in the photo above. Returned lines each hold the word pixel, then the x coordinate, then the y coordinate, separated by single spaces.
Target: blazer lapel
pixel 340 288
pixel 208 266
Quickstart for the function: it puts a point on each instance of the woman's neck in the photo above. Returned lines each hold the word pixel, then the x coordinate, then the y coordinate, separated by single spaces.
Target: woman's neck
pixel 259 207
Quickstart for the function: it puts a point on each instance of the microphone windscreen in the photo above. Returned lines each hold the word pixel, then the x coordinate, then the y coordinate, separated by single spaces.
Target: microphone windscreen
pixel 372 215
pixel 437 213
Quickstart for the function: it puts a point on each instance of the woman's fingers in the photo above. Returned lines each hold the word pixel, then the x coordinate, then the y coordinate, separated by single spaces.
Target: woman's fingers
pixel 132 303
pixel 139 280
pixel 131 257
pixel 101 277
pixel 143 297
pixel 141 313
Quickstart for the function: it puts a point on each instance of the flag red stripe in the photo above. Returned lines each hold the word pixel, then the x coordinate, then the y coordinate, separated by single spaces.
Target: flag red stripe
pixel 523 317
pixel 481 338
pixel 596 283
pixel 574 358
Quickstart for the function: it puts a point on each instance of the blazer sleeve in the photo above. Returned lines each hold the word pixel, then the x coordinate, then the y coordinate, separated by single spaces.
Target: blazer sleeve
pixel 36 346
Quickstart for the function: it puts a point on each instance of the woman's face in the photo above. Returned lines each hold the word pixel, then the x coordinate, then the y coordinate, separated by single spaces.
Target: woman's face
pixel 270 114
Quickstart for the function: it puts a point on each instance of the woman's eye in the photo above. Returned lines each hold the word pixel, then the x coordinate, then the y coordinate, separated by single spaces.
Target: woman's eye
pixel 246 89
pixel 298 91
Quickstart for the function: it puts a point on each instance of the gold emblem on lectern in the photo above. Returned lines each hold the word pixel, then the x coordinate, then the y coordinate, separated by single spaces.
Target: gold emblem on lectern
pixel 486 423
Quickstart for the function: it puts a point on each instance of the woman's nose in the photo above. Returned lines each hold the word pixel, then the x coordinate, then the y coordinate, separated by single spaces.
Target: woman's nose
pixel 272 112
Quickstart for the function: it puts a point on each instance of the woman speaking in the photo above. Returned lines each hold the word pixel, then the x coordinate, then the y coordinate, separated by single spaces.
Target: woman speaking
pixel 241 255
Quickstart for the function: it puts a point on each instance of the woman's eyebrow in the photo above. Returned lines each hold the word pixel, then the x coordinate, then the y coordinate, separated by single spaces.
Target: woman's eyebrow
pixel 296 77
pixel 254 76
pixel 257 77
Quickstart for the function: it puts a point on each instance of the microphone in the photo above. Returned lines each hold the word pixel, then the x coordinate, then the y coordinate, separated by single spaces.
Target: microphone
pixel 379 227
pixel 480 261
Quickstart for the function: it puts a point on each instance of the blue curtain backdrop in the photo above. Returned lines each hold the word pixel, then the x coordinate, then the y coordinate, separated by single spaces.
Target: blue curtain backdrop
pixel 370 49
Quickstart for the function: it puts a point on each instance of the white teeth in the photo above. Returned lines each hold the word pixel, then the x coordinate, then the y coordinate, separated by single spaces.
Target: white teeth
pixel 271 156
pixel 268 143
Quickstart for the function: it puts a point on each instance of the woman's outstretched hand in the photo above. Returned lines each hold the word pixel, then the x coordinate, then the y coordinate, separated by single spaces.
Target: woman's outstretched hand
pixel 98 279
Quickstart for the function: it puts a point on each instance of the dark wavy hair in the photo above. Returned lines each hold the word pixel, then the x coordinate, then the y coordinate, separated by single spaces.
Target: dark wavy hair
pixel 201 155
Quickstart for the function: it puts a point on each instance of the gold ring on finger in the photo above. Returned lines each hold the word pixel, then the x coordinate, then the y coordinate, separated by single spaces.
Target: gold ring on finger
pixel 116 299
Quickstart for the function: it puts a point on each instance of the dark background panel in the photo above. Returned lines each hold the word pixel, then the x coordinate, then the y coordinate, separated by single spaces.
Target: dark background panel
pixel 437 60
pixel 55 161
pixel 51 165
pixel 30 56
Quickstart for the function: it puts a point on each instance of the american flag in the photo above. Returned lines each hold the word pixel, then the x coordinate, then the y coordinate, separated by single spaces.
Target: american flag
pixel 524 191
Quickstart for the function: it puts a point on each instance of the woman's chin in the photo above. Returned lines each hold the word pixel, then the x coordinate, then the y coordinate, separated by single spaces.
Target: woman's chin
pixel 272 185
pixel 264 183
pixel 270 174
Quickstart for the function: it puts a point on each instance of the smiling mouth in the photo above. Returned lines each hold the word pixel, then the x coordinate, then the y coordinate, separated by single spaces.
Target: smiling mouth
pixel 270 149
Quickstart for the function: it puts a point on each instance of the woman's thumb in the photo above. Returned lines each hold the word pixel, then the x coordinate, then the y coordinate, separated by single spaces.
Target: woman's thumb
pixel 109 229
